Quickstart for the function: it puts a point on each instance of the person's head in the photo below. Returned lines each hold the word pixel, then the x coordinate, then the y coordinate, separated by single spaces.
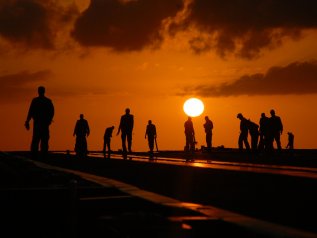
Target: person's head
pixel 81 116
pixel 272 112
pixel 189 118
pixel 262 114
pixel 150 122
pixel 127 110
pixel 41 91
pixel 206 118
pixel 240 116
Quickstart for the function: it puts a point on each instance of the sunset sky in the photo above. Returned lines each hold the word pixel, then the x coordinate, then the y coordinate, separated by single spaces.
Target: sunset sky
pixel 99 57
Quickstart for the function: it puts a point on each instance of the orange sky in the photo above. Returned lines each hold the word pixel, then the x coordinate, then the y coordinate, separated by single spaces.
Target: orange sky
pixel 151 56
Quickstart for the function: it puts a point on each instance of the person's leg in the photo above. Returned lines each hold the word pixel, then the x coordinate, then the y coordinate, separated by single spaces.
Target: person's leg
pixel 151 143
pixel 35 142
pixel 104 148
pixel 240 142
pixel 254 143
pixel 246 143
pixel 187 145
pixel 208 140
pixel 278 141
pixel 109 148
pixel 192 143
pixel 129 137
pixel 44 141
pixel 85 146
pixel 123 139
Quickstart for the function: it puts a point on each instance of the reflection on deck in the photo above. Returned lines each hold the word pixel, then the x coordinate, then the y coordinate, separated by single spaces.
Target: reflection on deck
pixel 235 166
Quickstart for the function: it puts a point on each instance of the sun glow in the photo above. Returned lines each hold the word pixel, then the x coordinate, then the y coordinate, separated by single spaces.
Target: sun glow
pixel 193 107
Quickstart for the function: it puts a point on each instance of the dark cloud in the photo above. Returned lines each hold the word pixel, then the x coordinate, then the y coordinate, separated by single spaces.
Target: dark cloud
pixel 246 27
pixel 22 85
pixel 243 28
pixel 124 25
pixel 296 78
pixel 33 23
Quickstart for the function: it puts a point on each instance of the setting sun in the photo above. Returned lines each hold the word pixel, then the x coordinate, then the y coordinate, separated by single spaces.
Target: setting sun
pixel 193 107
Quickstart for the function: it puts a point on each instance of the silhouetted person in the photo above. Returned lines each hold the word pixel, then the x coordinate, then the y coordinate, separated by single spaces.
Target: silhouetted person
pixel 276 129
pixel 264 132
pixel 243 137
pixel 107 141
pixel 190 135
pixel 208 130
pixel 81 131
pixel 254 133
pixel 290 144
pixel 126 128
pixel 150 134
pixel 41 111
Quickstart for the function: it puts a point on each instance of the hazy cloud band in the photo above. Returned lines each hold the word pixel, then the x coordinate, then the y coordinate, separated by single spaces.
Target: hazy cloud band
pixel 295 78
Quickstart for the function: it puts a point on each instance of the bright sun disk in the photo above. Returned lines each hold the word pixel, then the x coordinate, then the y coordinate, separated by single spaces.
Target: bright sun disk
pixel 193 107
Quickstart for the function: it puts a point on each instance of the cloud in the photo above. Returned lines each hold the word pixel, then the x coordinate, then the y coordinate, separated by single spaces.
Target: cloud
pixel 247 27
pixel 33 23
pixel 297 78
pixel 19 86
pixel 124 25
pixel 243 28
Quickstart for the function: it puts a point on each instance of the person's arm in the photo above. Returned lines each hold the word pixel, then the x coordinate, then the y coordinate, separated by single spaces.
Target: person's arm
pixel 29 116
pixel 52 112
pixel 88 130
pixel 119 128
pixel 75 129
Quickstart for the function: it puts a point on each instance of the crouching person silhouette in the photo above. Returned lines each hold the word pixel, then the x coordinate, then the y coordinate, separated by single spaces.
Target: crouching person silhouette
pixel 107 141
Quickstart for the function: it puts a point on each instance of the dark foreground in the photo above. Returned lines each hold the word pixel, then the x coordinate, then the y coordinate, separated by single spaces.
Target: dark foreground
pixel 43 202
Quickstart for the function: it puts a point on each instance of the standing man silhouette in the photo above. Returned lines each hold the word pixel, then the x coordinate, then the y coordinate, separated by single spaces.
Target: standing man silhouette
pixel 126 128
pixel 81 130
pixel 150 133
pixel 190 135
pixel 276 128
pixel 264 132
pixel 41 111
pixel 208 130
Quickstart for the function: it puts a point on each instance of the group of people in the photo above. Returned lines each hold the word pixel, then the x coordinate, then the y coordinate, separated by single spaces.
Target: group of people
pixel 263 135
pixel 190 134
pixel 41 111
pixel 126 125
